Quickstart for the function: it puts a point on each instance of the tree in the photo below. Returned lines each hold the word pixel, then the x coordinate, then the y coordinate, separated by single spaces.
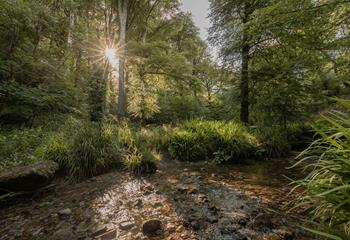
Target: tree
pixel 230 29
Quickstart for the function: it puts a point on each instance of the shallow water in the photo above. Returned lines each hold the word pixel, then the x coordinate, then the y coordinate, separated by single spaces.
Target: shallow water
pixel 192 200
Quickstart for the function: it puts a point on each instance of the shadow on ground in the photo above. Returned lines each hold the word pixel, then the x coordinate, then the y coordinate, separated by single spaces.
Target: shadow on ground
pixel 192 201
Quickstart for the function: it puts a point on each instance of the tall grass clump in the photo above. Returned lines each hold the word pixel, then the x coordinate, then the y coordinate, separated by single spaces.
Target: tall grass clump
pixel 84 151
pixel 141 147
pixel 327 186
pixel 217 141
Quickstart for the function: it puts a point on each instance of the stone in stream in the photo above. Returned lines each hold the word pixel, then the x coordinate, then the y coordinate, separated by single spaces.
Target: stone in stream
pixel 65 212
pixel 98 230
pixel 65 232
pixel 27 178
pixel 127 225
pixel 152 227
pixel 262 220
pixel 138 203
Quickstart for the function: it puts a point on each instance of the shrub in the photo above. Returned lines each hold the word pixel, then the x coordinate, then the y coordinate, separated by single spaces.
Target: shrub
pixel 55 149
pixel 17 147
pixel 138 163
pixel 274 141
pixel 202 140
pixel 85 151
pixel 327 186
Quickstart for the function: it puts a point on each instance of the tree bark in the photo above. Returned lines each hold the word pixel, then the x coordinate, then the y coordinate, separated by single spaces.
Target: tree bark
pixel 123 16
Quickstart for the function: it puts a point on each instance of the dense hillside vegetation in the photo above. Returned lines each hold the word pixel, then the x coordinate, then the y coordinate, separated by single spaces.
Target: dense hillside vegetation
pixel 97 85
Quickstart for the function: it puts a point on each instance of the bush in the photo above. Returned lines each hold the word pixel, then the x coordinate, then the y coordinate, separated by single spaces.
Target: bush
pixel 327 186
pixel 136 162
pixel 274 141
pixel 214 140
pixel 85 152
pixel 84 149
pixel 17 147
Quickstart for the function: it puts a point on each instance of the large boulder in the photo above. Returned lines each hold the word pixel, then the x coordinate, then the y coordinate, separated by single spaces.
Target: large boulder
pixel 27 178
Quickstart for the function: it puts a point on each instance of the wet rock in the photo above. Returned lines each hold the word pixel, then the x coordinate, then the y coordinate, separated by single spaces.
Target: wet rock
pixel 65 212
pixel 148 188
pixel 193 190
pixel 171 228
pixel 98 230
pixel 157 204
pixel 285 234
pixel 138 203
pixel 195 225
pixel 127 225
pixel 182 189
pixel 110 235
pixel 27 178
pixel 65 232
pixel 151 227
pixel 263 220
pixel 212 219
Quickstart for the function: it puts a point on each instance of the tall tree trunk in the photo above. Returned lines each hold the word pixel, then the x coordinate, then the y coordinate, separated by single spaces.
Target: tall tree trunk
pixel 245 85
pixel 123 15
pixel 244 75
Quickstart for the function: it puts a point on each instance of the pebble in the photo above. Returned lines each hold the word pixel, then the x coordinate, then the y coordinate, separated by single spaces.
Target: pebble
pixel 127 225
pixel 152 227
pixel 65 212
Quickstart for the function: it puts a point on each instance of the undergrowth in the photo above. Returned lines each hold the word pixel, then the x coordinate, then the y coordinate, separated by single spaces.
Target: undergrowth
pixel 216 141
pixel 327 186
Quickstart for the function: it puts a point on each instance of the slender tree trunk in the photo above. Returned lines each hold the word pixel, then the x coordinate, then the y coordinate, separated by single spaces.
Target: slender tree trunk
pixel 123 15
pixel 244 76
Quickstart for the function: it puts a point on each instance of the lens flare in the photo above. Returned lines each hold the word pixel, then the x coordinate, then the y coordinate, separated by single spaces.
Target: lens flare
pixel 110 54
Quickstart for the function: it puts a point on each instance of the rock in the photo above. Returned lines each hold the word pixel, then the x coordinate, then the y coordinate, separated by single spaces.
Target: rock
pixel 263 220
pixel 182 189
pixel 110 235
pixel 151 227
pixel 65 212
pixel 157 204
pixel 285 234
pixel 27 178
pixel 195 225
pixel 64 233
pixel 171 228
pixel 127 225
pixel 212 219
pixel 137 203
pixel 98 230
pixel 193 190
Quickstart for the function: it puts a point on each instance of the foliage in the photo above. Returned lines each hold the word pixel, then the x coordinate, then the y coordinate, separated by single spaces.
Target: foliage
pixel 326 187
pixel 274 141
pixel 89 150
pixel 212 140
pixel 17 147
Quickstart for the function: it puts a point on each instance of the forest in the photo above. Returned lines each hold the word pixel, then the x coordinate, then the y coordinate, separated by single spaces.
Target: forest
pixel 118 120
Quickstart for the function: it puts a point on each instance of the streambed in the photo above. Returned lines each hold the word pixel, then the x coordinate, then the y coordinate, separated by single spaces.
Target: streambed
pixel 190 200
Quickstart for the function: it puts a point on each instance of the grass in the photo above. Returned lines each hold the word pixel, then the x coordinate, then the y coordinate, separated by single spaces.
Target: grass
pixel 84 149
pixel 327 186
pixel 216 141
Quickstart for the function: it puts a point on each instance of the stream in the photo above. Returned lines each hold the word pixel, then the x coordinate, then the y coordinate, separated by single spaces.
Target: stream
pixel 188 200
